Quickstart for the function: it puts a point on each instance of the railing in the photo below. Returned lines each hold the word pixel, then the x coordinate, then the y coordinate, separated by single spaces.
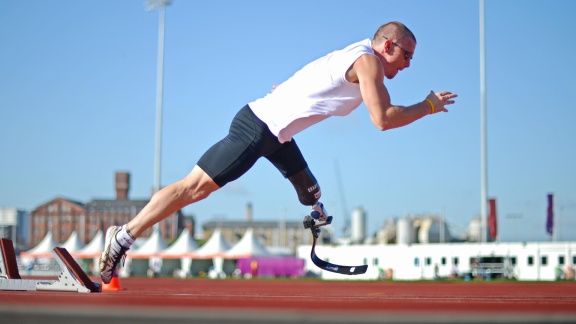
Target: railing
pixel 39 270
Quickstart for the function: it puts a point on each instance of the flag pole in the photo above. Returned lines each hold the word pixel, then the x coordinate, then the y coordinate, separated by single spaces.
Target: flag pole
pixel 483 159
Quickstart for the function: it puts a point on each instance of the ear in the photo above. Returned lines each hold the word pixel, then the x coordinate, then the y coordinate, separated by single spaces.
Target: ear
pixel 387 46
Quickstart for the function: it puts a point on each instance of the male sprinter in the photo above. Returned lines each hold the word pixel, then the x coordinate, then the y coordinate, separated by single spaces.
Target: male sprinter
pixel 333 85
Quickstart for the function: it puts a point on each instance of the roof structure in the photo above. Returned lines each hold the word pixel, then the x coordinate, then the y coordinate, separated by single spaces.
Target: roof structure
pixel 287 224
pixel 109 205
pixel 151 248
pixel 73 243
pixel 248 246
pixel 43 249
pixel 216 246
pixel 93 249
pixel 182 247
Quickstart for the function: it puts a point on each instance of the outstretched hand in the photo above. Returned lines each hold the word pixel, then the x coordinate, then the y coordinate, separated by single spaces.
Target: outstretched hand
pixel 441 99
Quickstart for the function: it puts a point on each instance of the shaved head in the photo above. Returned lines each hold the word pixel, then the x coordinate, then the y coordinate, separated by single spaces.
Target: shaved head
pixel 393 30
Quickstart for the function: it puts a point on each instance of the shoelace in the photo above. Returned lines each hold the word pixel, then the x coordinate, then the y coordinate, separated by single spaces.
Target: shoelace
pixel 122 251
pixel 115 252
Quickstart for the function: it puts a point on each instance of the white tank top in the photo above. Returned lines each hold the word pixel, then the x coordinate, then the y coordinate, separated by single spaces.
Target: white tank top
pixel 319 90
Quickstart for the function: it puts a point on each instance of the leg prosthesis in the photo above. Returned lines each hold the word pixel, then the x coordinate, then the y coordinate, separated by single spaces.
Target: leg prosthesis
pixel 309 193
pixel 319 212
pixel 306 187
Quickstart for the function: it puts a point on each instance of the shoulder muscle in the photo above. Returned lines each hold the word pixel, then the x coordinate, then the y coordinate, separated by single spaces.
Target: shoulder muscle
pixel 366 67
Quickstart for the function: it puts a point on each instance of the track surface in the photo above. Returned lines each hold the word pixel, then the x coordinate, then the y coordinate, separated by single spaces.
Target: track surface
pixel 157 300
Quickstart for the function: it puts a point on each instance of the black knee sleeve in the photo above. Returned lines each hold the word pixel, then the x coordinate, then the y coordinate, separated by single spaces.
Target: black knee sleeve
pixel 306 187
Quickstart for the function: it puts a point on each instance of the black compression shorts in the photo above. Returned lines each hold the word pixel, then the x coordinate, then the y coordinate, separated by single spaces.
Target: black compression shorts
pixel 248 140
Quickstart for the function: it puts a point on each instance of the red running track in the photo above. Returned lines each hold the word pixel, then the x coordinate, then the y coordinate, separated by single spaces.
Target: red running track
pixel 349 298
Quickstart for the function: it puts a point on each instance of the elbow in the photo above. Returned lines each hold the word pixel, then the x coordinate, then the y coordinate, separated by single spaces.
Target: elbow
pixel 381 122
pixel 385 128
pixel 382 125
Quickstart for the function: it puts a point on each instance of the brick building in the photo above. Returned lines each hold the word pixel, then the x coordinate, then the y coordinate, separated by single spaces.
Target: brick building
pixel 64 216
pixel 61 215
pixel 288 234
pixel 271 233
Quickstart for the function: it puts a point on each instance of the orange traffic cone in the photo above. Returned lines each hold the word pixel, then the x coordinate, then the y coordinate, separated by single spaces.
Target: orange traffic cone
pixel 114 283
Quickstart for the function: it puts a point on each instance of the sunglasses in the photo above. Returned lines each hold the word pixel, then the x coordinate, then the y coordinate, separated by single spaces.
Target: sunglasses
pixel 407 54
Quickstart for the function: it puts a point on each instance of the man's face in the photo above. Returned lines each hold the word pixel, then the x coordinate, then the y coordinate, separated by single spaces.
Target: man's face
pixel 397 55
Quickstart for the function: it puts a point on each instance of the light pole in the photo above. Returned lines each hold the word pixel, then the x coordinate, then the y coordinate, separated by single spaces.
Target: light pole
pixel 152 5
pixel 483 159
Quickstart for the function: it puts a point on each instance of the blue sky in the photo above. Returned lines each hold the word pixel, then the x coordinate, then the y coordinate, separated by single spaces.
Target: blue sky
pixel 78 102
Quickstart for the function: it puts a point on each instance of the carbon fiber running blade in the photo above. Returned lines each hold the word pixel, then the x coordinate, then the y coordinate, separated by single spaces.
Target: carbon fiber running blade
pixel 341 269
pixel 346 270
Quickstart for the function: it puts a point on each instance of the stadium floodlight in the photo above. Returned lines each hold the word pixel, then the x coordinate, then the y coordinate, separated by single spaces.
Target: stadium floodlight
pixel 152 5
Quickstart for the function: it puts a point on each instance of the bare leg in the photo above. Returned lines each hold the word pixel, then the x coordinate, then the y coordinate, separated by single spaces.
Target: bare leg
pixel 196 186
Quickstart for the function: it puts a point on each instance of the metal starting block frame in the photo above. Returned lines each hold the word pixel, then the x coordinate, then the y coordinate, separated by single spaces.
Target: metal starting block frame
pixel 71 278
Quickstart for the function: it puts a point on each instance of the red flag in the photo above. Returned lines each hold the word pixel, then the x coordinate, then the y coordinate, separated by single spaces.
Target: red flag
pixel 492 221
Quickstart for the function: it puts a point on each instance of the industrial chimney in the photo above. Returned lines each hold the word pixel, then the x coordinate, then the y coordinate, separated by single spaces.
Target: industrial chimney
pixel 122 185
pixel 249 212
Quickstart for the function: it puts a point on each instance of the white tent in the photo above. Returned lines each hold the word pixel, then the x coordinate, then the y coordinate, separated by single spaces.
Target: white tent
pixel 43 249
pixel 151 248
pixel 73 243
pixel 147 257
pixel 181 249
pixel 248 246
pixel 93 249
pixel 215 248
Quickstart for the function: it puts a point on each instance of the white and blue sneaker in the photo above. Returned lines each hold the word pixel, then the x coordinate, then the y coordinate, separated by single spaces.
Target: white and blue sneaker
pixel 113 253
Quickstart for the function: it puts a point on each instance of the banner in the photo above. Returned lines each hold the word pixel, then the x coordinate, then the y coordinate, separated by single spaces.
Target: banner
pixel 492 221
pixel 550 215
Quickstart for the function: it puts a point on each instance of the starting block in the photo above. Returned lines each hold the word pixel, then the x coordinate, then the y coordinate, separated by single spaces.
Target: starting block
pixel 71 278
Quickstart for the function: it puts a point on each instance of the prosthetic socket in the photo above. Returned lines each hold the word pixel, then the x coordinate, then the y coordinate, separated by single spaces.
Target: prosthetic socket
pixel 306 187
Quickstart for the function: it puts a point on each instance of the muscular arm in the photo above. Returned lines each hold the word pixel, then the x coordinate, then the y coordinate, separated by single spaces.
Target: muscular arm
pixel 369 73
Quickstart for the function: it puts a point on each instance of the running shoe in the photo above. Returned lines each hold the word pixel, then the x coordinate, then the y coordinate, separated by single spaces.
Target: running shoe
pixel 113 253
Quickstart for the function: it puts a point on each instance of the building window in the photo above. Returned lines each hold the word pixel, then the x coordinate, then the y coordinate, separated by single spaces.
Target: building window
pixel 428 261
pixel 513 261
pixel 561 260
pixel 417 262
pixel 443 261
pixel 455 261
pixel 375 261
pixel 530 260
pixel 544 260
